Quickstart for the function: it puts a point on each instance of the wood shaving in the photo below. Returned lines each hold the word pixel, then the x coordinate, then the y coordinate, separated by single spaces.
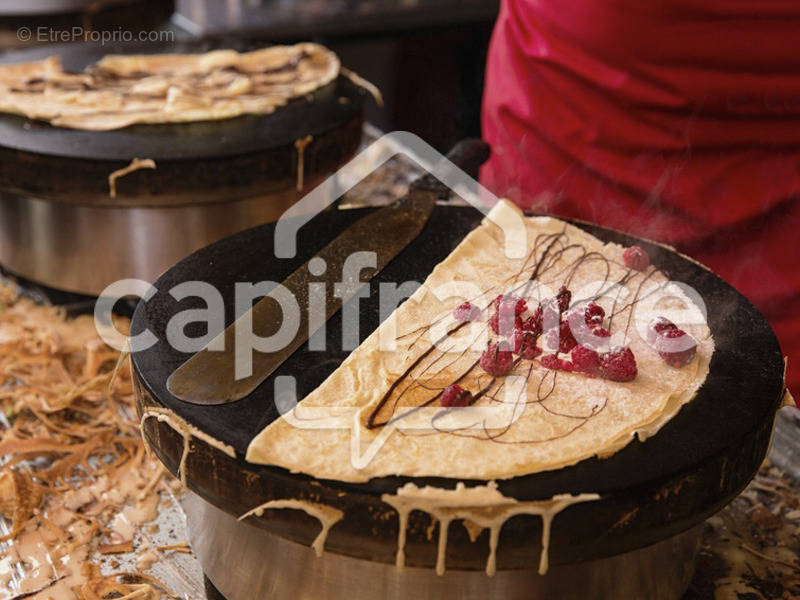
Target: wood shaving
pixel 751 548
pixel 181 547
pixel 19 497
pixel 115 548
pixel 73 467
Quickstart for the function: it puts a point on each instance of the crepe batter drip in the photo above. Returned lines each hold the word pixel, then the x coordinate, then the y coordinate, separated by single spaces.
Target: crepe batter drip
pixel 553 248
pixel 186 431
pixel 483 506
pixel 326 515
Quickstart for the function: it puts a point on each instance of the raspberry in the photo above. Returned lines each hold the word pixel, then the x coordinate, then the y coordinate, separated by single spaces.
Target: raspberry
pixel 563 297
pixel 552 361
pixel 619 364
pixel 585 326
pixel 504 325
pixel 597 337
pixel 502 302
pixel 586 360
pixel 525 344
pixel 636 258
pixel 660 324
pixel 467 312
pixel 533 323
pixel 594 314
pixel 497 359
pixel 675 354
pixel 549 312
pixel 565 340
pixel 661 333
pixel 455 395
pixel 657 327
pixel 506 317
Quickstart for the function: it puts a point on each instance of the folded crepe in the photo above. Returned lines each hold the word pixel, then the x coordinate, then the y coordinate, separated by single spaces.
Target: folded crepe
pixel 380 412
pixel 119 91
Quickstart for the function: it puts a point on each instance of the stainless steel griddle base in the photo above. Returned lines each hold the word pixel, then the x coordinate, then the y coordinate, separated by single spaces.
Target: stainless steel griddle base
pixel 245 562
pixel 84 248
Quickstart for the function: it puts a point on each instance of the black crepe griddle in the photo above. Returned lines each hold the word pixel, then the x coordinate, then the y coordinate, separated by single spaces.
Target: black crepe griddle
pixel 650 491
pixel 179 141
pixel 246 153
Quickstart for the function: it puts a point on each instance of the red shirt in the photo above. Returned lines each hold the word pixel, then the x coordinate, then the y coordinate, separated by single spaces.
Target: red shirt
pixel 677 120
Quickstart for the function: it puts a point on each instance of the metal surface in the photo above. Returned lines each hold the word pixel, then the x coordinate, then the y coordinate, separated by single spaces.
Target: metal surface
pixel 60 227
pixel 706 573
pixel 85 248
pixel 279 19
pixel 43 7
pixel 209 377
pixel 245 562
pixel 785 451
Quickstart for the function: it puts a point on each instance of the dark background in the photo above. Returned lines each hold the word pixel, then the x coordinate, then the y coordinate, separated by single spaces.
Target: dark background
pixel 426 56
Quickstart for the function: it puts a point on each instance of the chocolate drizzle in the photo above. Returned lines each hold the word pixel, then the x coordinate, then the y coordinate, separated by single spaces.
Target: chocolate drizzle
pixel 549 250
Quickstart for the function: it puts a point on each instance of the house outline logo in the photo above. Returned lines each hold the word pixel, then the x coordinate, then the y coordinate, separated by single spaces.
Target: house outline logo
pixel 372 158
pixel 325 194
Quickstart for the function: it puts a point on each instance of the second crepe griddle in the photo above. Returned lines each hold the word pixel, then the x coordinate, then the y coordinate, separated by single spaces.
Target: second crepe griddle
pixel 649 490
pixel 250 152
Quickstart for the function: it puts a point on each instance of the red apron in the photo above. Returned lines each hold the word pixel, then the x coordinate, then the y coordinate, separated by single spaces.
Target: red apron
pixel 677 120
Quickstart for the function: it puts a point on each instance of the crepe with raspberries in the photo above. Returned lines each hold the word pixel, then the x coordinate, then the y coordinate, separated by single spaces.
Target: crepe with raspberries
pixel 498 367
pixel 165 88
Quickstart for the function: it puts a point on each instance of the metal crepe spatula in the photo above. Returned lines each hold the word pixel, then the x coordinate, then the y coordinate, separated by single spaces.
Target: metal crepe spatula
pixel 209 377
